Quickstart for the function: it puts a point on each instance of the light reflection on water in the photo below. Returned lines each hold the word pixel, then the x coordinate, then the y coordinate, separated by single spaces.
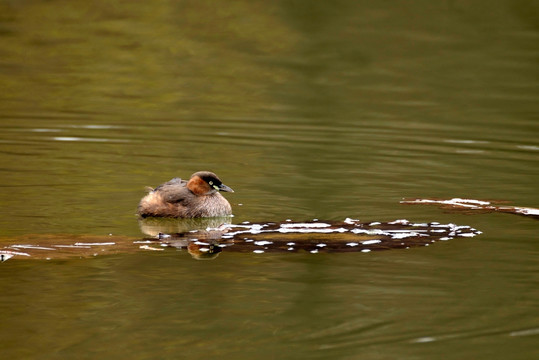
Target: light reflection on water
pixel 311 111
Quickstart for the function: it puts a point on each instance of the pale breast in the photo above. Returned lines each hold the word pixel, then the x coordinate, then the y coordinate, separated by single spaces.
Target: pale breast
pixel 156 204
pixel 209 206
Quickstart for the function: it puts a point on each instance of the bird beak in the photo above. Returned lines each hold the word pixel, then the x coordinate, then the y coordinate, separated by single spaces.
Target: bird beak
pixel 223 187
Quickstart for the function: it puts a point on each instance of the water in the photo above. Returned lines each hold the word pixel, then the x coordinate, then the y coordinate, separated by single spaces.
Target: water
pixel 308 110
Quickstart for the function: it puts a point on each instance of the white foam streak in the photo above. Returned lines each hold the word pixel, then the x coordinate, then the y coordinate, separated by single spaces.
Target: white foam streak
pixel 95 244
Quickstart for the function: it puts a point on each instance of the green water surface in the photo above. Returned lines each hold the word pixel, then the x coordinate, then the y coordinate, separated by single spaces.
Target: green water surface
pixel 307 109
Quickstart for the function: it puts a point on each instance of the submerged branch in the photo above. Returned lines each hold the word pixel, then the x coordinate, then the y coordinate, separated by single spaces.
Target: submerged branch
pixel 474 206
pixel 203 243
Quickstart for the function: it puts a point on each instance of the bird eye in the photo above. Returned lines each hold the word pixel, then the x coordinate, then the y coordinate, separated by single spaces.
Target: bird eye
pixel 211 183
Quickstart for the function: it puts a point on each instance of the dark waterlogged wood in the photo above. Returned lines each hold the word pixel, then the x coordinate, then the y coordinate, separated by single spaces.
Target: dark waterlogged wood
pixel 318 236
pixel 207 237
pixel 206 243
pixel 474 206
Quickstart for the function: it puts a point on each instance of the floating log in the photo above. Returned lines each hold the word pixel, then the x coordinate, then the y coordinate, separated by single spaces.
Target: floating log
pixel 206 238
pixel 207 242
pixel 474 206
pixel 316 236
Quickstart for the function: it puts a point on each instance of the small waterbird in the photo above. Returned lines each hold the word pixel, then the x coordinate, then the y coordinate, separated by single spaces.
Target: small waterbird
pixel 198 197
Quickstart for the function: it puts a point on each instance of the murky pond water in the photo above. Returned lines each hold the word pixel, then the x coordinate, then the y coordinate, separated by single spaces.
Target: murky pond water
pixel 308 110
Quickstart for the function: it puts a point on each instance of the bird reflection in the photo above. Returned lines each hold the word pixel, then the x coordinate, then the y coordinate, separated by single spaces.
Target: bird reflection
pixel 205 238
pixel 200 236
pixel 154 226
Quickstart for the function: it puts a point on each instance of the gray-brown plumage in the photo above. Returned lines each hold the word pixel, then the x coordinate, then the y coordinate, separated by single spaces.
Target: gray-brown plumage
pixel 198 197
